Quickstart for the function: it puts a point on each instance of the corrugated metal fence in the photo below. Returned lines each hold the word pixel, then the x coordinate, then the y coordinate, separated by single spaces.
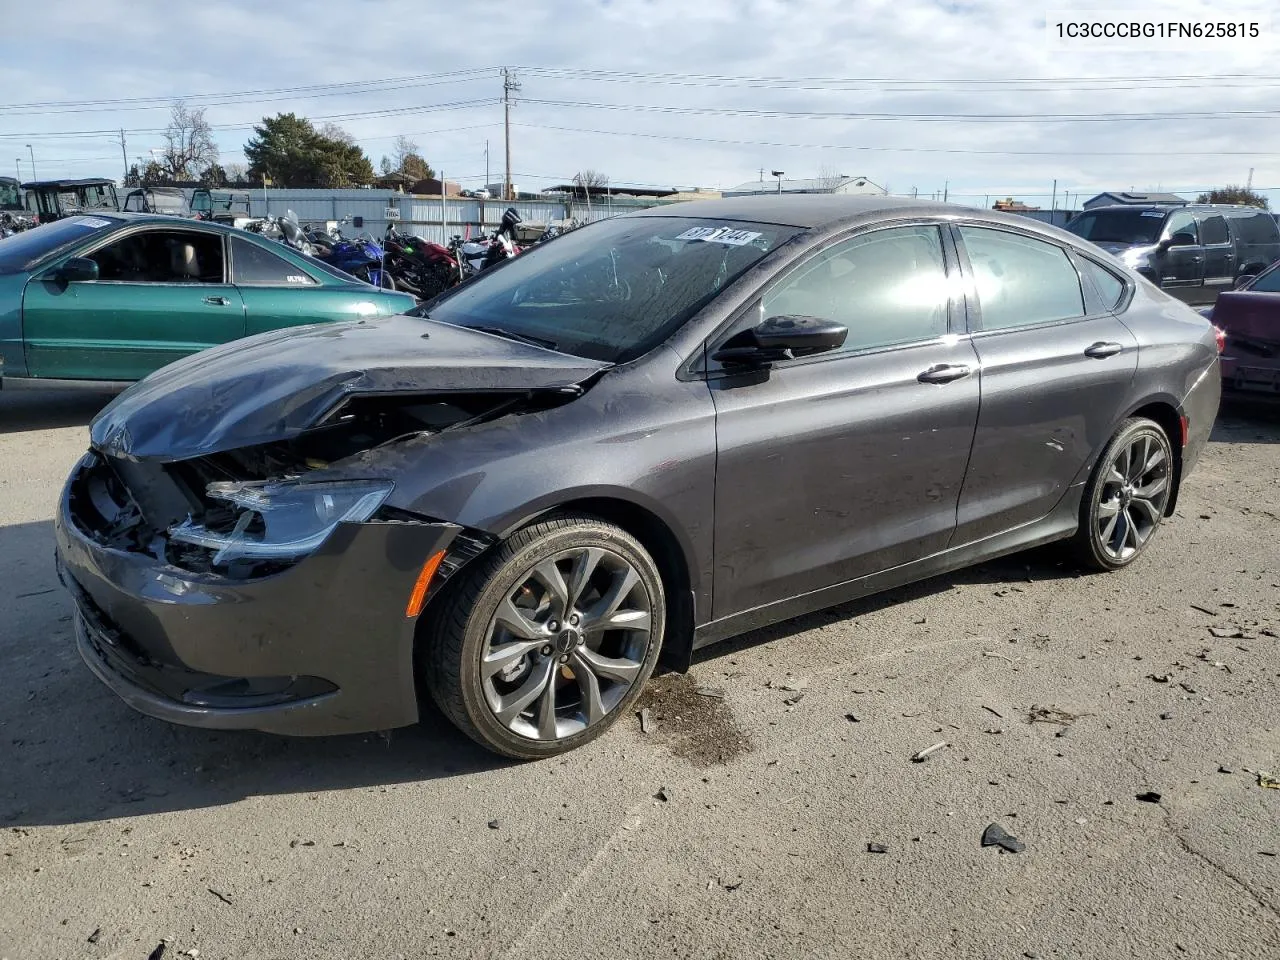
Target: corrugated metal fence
pixel 430 217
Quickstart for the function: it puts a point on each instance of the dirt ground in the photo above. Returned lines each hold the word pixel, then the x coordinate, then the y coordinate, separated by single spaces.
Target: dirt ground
pixel 739 824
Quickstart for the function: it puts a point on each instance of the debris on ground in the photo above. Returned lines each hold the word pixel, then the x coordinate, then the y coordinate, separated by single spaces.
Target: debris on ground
pixel 790 685
pixel 714 692
pixel 877 848
pixel 158 952
pixel 1149 797
pixel 1038 714
pixel 1227 633
pixel 1166 716
pixel 795 698
pixel 852 718
pixel 495 824
pixel 1159 677
pixel 1224 769
pixel 996 656
pixel 996 836
pixel 93 937
pixel 302 843
pixel 927 751
pixel 646 721
pixel 662 795
pixel 702 730
pixel 1268 781
pixel 993 710
pixel 221 896
pixel 1204 610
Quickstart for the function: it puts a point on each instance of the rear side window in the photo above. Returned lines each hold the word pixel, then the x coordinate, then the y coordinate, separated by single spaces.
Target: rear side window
pixel 1110 287
pixel 887 287
pixel 1021 281
pixel 1214 230
pixel 1256 228
pixel 253 266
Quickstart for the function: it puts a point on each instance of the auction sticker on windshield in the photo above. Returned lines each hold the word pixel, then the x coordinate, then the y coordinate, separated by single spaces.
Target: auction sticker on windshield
pixel 735 238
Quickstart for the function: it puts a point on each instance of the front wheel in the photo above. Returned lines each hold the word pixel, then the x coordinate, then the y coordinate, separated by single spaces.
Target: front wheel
pixel 1125 498
pixel 544 645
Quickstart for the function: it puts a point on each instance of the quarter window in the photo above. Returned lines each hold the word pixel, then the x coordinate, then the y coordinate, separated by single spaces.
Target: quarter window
pixel 162 256
pixel 887 287
pixel 1021 281
pixel 1214 230
pixel 1110 287
pixel 255 266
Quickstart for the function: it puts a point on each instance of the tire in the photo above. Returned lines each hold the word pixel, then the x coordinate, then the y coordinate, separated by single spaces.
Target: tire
pixel 1122 508
pixel 387 281
pixel 496 702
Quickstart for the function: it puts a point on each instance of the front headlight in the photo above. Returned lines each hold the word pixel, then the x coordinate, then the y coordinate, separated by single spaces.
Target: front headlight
pixel 280 519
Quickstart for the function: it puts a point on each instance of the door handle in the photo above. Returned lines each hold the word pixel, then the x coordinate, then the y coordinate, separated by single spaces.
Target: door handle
pixel 217 301
pixel 1197 259
pixel 945 373
pixel 1103 349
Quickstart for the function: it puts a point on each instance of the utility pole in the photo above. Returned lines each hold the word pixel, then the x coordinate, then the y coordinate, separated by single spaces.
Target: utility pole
pixel 33 161
pixel 509 86
pixel 124 154
pixel 486 165
pixel 946 187
pixel 1054 205
pixel 1249 183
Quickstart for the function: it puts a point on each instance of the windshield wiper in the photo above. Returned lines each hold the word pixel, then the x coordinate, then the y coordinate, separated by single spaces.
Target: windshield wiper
pixel 518 337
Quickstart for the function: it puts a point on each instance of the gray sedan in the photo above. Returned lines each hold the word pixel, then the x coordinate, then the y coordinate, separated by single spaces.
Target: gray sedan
pixel 647 435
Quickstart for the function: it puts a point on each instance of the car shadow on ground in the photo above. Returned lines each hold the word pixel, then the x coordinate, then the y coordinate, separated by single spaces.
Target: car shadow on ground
pixel 1240 422
pixel 25 409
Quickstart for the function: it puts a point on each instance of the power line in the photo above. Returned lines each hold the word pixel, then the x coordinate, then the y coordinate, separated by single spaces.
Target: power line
pixel 912 117
pixel 945 150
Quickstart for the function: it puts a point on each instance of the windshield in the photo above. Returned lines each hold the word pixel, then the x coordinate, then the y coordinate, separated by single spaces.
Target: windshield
pixel 1268 282
pixel 10 194
pixel 168 203
pixel 1119 226
pixel 614 290
pixel 25 250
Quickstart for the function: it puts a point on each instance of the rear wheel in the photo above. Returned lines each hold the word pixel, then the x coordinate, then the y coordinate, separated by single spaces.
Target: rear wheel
pixel 549 640
pixel 1126 496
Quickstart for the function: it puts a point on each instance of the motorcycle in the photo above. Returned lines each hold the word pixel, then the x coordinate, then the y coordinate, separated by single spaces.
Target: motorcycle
pixel 475 256
pixel 419 266
pixel 362 257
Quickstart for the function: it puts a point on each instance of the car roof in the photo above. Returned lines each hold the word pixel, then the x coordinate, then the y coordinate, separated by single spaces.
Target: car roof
pixel 808 210
pixel 86 182
pixel 1224 208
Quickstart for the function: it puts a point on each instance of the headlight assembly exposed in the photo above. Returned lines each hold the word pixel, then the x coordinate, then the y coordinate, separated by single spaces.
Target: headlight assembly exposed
pixel 281 519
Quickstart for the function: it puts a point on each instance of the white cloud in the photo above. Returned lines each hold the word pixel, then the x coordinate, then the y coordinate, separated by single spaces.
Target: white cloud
pixel 110 49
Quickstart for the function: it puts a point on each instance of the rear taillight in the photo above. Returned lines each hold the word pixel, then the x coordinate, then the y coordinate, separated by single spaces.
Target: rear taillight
pixel 1220 337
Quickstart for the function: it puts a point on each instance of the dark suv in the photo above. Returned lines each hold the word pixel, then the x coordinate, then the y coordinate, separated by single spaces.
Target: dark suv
pixel 1194 252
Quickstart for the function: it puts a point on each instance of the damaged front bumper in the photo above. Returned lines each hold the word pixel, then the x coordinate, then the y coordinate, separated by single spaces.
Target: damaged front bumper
pixel 322 647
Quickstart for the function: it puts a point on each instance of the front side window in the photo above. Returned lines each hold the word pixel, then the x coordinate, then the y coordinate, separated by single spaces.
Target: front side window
pixel 162 256
pixel 887 287
pixel 1214 230
pixel 1021 281
pixel 612 290
pixel 254 266
pixel 1180 223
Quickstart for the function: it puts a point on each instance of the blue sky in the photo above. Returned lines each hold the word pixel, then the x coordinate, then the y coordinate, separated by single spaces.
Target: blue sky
pixel 636 132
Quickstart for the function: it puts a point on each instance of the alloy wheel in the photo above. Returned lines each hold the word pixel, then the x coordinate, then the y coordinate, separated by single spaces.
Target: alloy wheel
pixel 566 644
pixel 1132 496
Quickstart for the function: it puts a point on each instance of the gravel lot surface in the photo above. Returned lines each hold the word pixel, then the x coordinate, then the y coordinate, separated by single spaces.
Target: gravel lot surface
pixel 738 826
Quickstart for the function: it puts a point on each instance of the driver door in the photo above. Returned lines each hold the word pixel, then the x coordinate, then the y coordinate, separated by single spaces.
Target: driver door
pixel 839 465
pixel 1182 265
pixel 161 294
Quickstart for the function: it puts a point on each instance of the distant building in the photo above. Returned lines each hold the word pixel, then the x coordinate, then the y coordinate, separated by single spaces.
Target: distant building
pixel 842 185
pixel 1111 199
pixel 1010 205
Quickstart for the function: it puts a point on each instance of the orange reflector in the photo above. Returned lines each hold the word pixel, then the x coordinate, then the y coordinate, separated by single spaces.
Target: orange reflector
pixel 419 595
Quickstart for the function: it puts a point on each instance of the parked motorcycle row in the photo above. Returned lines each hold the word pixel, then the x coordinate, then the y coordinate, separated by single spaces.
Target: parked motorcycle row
pixel 401 261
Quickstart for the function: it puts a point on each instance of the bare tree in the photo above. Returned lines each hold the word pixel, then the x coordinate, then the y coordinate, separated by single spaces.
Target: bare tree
pixel 829 178
pixel 588 180
pixel 386 166
pixel 402 149
pixel 189 147
pixel 331 131
pixel 236 172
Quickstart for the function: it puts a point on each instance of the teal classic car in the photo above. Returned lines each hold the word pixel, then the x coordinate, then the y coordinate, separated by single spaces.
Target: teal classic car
pixel 113 296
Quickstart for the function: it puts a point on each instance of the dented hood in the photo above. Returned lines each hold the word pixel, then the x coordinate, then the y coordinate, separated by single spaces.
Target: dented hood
pixel 276 385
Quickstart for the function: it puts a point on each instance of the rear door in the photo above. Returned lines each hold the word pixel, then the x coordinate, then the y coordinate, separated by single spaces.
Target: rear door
pixel 161 294
pixel 1056 368
pixel 849 462
pixel 278 293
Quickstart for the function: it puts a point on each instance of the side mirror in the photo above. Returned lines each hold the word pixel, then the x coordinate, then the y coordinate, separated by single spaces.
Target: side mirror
pixel 1181 240
pixel 78 270
pixel 1243 281
pixel 781 338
